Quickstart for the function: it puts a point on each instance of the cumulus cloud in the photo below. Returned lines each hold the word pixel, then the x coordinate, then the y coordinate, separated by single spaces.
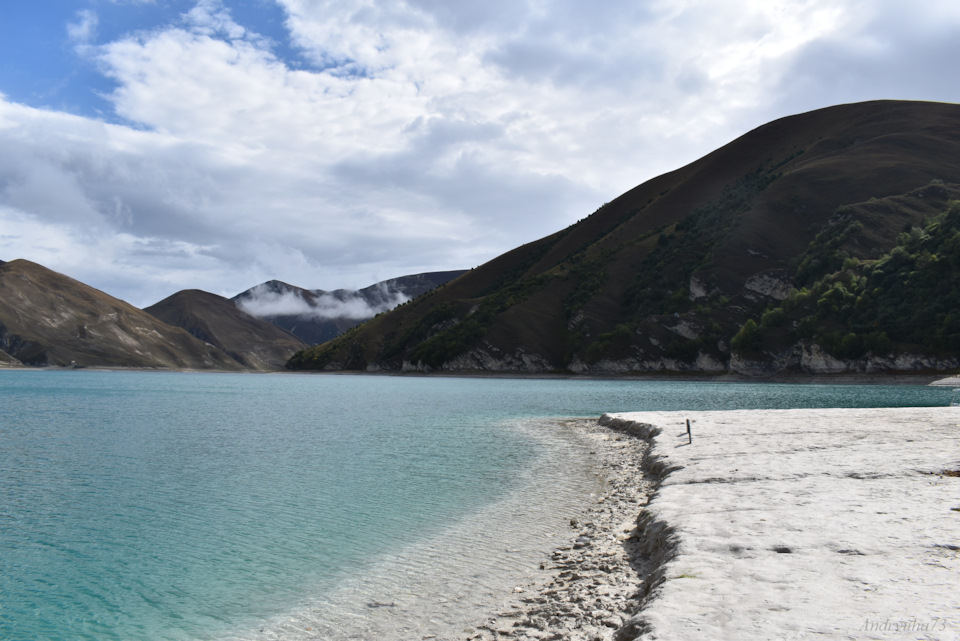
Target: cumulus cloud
pixel 112 262
pixel 416 135
pixel 265 302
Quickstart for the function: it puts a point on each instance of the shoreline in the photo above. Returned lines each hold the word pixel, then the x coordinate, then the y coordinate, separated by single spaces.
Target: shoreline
pixel 594 578
pixel 845 378
pixel 838 378
pixel 730 534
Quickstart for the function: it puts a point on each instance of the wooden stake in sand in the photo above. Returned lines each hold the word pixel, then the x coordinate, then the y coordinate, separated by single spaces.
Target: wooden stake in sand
pixel 689 433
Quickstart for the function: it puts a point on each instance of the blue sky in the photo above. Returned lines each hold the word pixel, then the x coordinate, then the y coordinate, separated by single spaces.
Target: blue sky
pixel 41 64
pixel 148 146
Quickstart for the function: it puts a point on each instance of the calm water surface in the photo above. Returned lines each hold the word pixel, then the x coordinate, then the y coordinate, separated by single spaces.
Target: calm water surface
pixel 175 506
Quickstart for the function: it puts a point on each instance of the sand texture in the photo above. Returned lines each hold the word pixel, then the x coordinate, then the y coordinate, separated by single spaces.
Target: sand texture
pixel 770 525
pixel 801 524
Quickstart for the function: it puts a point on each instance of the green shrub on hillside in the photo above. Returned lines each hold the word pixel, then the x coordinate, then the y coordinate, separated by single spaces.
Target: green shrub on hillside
pixel 824 255
pixel 908 298
pixel 747 340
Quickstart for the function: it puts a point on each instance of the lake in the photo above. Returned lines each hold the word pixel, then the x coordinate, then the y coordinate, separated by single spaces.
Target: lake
pixel 185 506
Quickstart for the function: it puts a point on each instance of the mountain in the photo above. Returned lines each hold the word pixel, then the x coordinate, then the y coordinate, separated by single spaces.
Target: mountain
pixel 316 315
pixel 47 318
pixel 254 343
pixel 679 273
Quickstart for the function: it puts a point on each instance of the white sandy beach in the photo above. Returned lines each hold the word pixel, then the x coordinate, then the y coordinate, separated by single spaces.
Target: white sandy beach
pixel 770 525
pixel 804 524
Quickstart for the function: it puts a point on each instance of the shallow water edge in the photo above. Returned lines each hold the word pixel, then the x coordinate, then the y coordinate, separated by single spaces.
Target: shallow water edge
pixel 445 584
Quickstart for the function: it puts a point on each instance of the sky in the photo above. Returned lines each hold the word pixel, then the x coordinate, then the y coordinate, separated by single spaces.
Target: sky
pixel 149 146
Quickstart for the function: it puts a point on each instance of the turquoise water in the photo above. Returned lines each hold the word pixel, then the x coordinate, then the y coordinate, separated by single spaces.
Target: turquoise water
pixel 156 506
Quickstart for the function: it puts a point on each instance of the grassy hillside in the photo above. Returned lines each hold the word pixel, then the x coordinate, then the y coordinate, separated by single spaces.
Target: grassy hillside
pixel 667 275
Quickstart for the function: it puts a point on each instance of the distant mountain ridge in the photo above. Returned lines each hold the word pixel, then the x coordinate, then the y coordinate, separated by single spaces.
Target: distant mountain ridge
pixel 316 315
pixel 675 274
pixel 49 319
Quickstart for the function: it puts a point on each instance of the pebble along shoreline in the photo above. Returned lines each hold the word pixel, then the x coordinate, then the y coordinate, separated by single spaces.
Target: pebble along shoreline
pixel 596 581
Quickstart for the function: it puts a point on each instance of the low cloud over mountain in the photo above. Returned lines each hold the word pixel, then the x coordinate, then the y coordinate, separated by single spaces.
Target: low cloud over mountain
pixel 316 315
pixel 265 300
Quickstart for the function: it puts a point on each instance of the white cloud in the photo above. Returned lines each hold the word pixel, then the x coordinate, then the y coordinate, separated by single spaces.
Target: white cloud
pixel 889 51
pixel 428 135
pixel 118 263
pixel 83 31
pixel 211 18
pixel 264 302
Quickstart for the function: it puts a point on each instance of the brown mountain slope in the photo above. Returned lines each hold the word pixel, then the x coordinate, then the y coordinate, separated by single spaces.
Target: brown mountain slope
pixel 664 276
pixel 47 318
pixel 254 343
